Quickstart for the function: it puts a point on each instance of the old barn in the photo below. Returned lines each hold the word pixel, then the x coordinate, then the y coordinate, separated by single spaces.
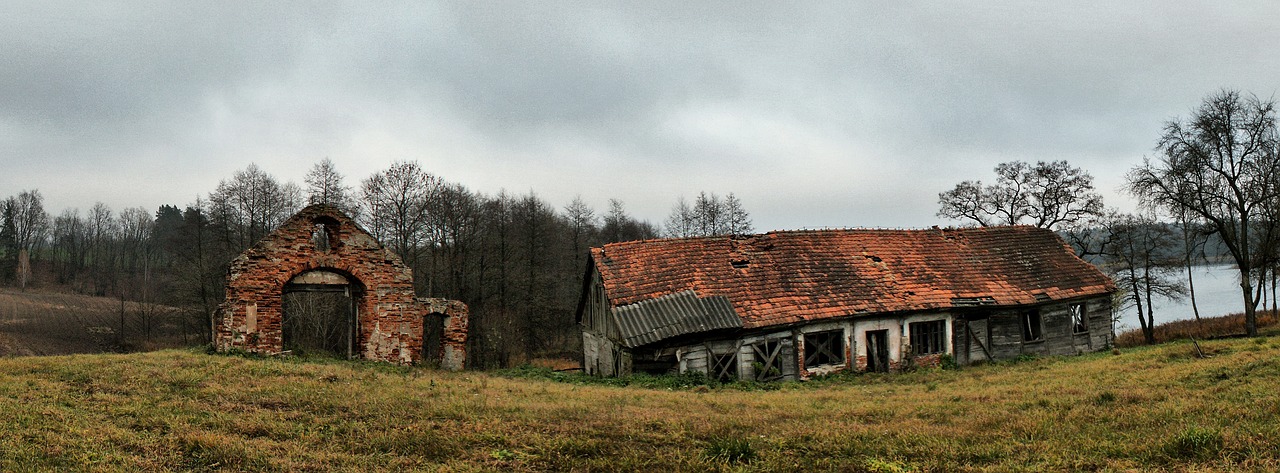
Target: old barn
pixel 788 305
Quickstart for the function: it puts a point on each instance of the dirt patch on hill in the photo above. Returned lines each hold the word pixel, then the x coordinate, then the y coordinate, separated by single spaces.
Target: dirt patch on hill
pixel 11 346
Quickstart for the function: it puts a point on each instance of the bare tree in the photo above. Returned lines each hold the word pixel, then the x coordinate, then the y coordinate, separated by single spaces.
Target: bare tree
pixel 582 223
pixel 681 222
pixel 1194 237
pixel 1221 167
pixel 1045 195
pixel 619 226
pixel 737 220
pixel 325 186
pixel 27 225
pixel 70 237
pixel 24 269
pixel 709 215
pixel 1141 258
pixel 250 205
pixel 395 203
pixel 30 218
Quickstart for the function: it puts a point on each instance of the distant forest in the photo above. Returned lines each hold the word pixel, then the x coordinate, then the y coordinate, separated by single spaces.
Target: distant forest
pixel 516 260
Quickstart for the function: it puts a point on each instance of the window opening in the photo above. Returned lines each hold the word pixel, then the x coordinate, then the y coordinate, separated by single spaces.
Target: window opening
pixel 724 366
pixel 768 364
pixel 320 237
pixel 1079 319
pixel 824 348
pixel 928 338
pixel 1031 326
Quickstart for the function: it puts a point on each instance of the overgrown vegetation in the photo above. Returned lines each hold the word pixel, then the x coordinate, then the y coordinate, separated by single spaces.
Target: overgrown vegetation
pixel 1232 325
pixel 1159 407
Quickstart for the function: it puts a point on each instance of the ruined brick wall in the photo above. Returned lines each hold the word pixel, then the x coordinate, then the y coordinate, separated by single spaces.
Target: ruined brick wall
pixel 453 343
pixel 390 318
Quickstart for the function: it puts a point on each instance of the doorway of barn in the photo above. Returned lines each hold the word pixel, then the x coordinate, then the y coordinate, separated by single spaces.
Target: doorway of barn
pixel 432 336
pixel 878 351
pixel 320 314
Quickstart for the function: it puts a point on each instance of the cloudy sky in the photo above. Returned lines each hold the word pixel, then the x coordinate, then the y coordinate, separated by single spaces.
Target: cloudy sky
pixel 844 114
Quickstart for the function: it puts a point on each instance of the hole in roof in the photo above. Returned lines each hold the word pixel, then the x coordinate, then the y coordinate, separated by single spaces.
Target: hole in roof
pixel 873 258
pixel 741 264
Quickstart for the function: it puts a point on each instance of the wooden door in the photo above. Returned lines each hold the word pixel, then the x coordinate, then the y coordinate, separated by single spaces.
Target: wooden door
pixel 978 340
pixel 878 351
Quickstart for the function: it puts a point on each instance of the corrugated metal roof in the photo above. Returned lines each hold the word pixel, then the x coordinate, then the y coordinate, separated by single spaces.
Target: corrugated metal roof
pixel 672 315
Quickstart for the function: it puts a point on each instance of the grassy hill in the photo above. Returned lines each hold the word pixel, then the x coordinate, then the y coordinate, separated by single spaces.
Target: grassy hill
pixel 50 322
pixel 1145 408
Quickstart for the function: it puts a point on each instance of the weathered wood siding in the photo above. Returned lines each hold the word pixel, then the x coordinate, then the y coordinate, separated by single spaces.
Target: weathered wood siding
pixel 601 355
pixel 1002 333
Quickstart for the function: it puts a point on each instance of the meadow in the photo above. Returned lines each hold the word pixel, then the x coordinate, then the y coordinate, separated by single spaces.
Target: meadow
pixel 1144 408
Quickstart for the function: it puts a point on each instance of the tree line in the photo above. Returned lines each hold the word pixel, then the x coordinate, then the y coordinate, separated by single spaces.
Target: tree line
pixel 516 260
pixel 1214 182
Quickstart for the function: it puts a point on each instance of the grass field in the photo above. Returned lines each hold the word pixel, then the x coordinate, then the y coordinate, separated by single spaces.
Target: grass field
pixel 1145 408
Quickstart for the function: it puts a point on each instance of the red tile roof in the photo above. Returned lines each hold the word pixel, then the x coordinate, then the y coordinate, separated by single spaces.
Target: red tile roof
pixel 794 276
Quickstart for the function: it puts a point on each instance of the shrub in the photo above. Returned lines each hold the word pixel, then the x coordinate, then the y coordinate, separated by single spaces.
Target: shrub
pixel 1195 443
pixel 948 362
pixel 1105 397
pixel 730 450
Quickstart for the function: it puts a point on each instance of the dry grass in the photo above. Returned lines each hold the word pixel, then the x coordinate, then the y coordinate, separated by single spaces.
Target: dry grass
pixel 38 322
pixel 557 364
pixel 1203 329
pixel 1150 408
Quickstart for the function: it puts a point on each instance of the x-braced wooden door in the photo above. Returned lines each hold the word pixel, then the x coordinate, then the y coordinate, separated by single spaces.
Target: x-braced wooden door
pixel 878 351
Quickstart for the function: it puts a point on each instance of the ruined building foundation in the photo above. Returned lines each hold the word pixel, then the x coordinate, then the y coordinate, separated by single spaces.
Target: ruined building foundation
pixel 322 249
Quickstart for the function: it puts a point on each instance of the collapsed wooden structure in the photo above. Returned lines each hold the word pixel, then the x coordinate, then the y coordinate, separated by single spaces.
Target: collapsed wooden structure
pixel 788 305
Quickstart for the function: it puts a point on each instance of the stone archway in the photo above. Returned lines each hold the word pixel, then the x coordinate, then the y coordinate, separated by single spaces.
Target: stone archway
pixel 317 244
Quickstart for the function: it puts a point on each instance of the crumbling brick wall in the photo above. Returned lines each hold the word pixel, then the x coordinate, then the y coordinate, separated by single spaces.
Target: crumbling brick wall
pixel 390 319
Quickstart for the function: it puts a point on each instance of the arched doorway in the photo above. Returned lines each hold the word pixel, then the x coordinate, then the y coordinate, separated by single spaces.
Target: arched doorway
pixel 320 314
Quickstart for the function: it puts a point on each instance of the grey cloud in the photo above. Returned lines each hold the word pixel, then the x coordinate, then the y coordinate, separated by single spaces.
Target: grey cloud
pixel 798 100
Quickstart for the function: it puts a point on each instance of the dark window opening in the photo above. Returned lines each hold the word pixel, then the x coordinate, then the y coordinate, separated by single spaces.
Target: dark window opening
pixel 928 338
pixel 824 348
pixel 768 364
pixel 1031 326
pixel 740 264
pixel 324 234
pixel 1079 319
pixel 724 366
pixel 655 363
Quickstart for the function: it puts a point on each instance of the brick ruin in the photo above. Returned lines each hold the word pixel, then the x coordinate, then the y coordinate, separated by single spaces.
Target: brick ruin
pixel 320 247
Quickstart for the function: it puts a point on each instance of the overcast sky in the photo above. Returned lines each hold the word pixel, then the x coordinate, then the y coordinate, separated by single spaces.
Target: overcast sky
pixel 815 115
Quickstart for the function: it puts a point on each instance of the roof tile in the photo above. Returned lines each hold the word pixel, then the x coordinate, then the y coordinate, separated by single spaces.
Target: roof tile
pixel 808 275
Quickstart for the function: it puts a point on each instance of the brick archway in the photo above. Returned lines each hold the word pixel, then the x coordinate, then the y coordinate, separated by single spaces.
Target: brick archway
pixel 390 319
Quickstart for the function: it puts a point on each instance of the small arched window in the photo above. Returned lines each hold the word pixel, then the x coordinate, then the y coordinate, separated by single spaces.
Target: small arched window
pixel 324 234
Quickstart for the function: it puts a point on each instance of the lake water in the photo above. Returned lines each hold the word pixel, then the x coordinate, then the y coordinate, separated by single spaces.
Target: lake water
pixel 1217 293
